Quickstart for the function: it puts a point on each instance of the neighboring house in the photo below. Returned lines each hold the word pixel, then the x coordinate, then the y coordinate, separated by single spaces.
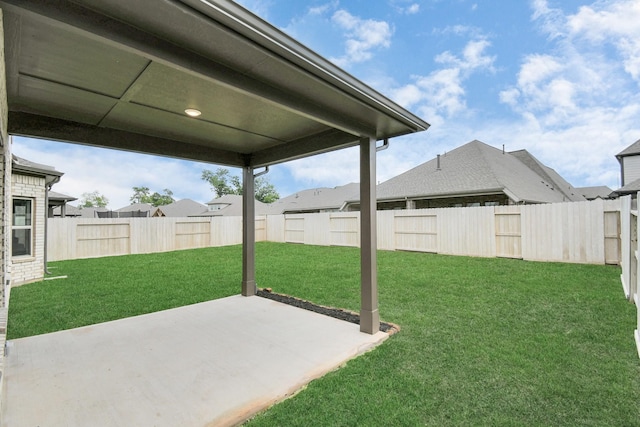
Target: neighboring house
pixel 599 192
pixel 230 205
pixel 317 200
pixel 93 212
pixel 69 211
pixel 475 174
pixel 135 210
pixel 629 160
pixel 58 204
pixel 30 183
pixel 181 208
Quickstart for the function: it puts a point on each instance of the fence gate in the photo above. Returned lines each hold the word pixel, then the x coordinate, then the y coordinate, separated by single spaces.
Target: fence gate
pixel 508 232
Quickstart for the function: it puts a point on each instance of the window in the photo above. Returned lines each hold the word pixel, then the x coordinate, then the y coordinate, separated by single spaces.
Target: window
pixel 22 227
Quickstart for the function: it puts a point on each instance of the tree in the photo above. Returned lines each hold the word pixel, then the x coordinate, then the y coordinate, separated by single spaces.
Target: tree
pixel 218 181
pixel 157 199
pixel 93 200
pixel 141 195
pixel 265 191
pixel 222 182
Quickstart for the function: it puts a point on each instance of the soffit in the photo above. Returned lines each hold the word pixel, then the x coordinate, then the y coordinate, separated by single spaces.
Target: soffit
pixel 120 73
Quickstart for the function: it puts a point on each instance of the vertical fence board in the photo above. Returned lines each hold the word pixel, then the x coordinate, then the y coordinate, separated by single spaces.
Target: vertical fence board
pixel 625 243
pixel 508 232
pixel 275 228
pixel 386 230
pixel 294 228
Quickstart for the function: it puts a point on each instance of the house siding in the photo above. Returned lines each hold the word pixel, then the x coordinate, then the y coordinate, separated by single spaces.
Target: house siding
pixel 631 168
pixel 30 268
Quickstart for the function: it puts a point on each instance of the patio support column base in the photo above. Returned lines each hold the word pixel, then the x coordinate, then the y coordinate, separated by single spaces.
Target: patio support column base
pixel 369 317
pixel 369 321
pixel 249 287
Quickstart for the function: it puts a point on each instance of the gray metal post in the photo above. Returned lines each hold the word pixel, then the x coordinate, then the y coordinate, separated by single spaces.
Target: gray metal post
pixel 248 233
pixel 369 316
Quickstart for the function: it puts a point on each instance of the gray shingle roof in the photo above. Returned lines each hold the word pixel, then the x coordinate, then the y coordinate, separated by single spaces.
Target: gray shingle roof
pixel 473 168
pixel 316 199
pixel 181 208
pixel 591 193
pixel 630 150
pixel 144 207
pixel 233 206
pixel 70 211
pixel 631 188
pixel 549 175
pixel 55 196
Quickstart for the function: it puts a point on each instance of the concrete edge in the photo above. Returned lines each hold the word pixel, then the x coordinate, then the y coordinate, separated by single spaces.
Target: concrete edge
pixel 250 410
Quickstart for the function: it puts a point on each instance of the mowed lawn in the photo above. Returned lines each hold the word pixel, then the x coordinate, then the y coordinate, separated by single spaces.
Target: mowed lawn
pixel 482 341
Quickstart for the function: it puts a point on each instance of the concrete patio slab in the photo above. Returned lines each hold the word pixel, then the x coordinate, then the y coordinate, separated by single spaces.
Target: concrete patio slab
pixel 210 364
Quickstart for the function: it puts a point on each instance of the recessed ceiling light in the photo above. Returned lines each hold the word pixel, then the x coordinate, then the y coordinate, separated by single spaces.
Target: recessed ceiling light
pixel 193 112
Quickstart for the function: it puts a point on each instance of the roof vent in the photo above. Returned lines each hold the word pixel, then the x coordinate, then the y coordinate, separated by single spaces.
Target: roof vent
pixel 438 164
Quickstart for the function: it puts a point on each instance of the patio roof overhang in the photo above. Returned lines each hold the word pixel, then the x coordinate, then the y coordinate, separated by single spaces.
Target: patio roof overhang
pixel 121 73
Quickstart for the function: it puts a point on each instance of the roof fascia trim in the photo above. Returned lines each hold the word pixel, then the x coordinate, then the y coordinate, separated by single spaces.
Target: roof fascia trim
pixel 32 125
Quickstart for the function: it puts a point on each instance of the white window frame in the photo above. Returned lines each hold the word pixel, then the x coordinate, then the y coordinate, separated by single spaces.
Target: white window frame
pixel 24 226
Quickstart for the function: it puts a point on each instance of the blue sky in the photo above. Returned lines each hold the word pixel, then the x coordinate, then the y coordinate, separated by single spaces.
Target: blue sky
pixel 560 78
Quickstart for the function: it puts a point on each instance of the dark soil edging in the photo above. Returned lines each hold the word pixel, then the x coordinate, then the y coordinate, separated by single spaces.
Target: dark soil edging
pixel 327 311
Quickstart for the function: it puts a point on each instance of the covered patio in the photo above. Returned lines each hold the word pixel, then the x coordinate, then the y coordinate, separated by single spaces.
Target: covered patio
pixel 192 79
pixel 215 363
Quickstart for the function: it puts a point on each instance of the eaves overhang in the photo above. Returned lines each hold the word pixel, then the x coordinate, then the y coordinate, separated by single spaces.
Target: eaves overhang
pixel 121 73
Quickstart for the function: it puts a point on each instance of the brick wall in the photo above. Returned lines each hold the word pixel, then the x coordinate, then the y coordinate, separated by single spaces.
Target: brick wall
pixel 27 269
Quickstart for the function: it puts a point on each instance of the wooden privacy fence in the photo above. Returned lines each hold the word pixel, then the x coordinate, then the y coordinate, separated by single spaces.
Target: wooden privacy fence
pixel 584 232
pixel 72 238
pixel 629 256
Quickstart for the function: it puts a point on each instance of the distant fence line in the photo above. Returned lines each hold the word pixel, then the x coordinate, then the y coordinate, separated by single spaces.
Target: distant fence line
pixel 582 232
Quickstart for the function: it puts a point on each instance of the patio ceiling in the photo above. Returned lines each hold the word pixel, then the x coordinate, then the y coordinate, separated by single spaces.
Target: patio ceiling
pixel 120 74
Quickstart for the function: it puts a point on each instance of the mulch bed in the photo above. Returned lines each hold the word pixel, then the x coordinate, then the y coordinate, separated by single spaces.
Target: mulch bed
pixel 337 313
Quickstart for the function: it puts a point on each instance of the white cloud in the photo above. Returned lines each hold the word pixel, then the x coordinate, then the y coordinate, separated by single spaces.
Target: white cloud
pixel 441 93
pixel 323 8
pixel 578 101
pixel 617 24
pixel 363 36
pixel 413 9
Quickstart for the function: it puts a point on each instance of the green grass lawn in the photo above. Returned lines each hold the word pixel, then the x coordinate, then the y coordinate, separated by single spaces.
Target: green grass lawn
pixel 483 341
